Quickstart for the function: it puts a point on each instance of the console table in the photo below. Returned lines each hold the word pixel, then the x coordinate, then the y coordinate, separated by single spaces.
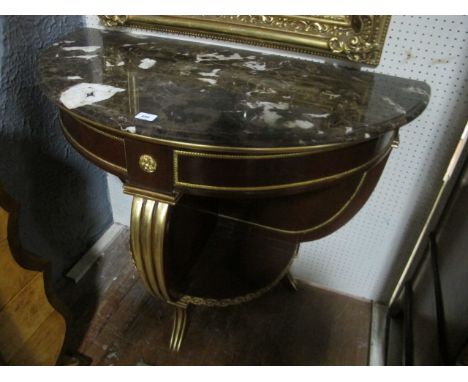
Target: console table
pixel 233 157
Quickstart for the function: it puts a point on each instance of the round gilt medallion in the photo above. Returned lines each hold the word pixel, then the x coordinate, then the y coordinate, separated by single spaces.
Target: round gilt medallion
pixel 147 163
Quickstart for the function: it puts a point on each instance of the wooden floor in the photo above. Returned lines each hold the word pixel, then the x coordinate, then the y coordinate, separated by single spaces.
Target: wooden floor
pixel 118 323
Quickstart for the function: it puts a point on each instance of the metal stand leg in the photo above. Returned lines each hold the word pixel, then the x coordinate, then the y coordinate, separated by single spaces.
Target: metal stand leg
pixel 148 227
pixel 178 328
pixel 291 281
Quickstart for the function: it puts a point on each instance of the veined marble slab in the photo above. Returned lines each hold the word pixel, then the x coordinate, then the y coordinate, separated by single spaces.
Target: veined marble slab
pixel 216 95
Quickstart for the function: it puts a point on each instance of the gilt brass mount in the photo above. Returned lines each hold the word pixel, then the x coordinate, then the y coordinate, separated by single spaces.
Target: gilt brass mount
pixel 147 163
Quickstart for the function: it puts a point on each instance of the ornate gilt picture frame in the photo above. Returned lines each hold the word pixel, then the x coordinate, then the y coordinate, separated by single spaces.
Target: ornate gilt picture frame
pixel 355 38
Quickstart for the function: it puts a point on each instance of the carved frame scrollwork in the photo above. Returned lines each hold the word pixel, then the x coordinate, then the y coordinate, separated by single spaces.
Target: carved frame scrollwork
pixel 359 39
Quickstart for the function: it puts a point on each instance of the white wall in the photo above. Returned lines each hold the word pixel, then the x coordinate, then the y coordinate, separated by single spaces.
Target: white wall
pixel 365 257
pixel 121 203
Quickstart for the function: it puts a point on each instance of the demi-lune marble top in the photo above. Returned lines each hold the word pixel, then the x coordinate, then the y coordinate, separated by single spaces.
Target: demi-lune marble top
pixel 210 94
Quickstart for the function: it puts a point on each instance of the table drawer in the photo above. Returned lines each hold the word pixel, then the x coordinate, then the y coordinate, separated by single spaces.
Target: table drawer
pixel 213 173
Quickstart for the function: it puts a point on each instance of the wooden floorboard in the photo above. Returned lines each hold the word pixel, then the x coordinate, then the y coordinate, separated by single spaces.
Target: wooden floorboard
pixel 118 323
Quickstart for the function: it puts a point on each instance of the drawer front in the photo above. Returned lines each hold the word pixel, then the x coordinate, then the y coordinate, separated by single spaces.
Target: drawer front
pixel 217 173
pixel 105 150
pixel 161 168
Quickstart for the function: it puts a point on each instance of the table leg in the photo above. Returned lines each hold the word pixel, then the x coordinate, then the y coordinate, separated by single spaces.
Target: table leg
pixel 148 230
pixel 291 281
pixel 178 328
pixel 167 242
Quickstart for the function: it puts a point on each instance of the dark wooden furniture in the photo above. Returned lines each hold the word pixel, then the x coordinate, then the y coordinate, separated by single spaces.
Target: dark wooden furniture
pixel 251 153
pixel 32 331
